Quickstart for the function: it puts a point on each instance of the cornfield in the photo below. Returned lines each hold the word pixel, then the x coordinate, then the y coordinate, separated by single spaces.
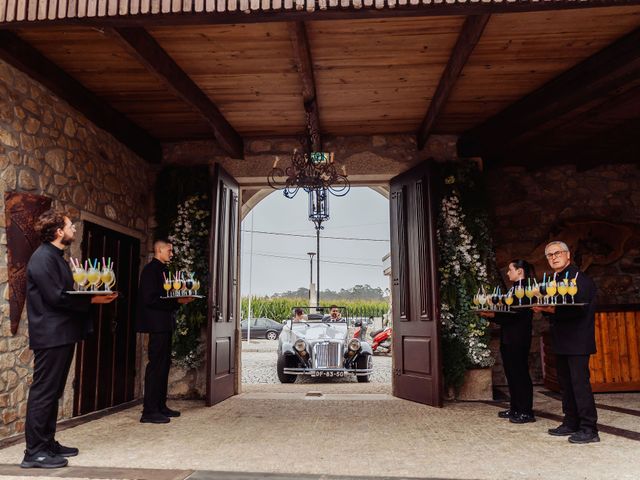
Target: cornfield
pixel 280 309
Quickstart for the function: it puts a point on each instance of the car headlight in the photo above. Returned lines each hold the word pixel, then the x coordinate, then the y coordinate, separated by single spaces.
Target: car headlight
pixel 354 345
pixel 300 346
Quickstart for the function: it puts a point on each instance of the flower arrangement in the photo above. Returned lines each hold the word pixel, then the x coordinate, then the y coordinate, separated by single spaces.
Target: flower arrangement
pixel 189 235
pixel 464 244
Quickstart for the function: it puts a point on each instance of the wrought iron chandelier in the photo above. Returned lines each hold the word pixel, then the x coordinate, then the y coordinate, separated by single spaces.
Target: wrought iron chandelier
pixel 310 173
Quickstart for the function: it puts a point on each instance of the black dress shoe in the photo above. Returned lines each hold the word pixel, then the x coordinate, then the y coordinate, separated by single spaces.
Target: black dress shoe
pixel 167 412
pixel 154 418
pixel 63 451
pixel 523 418
pixel 43 459
pixel 584 437
pixel 562 431
pixel 506 414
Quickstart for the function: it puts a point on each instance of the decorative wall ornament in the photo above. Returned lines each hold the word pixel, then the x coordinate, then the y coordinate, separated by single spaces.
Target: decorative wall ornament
pixel 21 212
pixel 592 242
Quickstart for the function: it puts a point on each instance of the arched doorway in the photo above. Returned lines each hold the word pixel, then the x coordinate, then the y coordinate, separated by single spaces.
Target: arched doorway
pixel 417 369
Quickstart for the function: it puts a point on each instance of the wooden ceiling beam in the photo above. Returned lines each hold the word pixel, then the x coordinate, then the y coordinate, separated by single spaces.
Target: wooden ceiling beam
pixel 157 61
pixel 612 67
pixel 304 64
pixel 467 40
pixel 30 61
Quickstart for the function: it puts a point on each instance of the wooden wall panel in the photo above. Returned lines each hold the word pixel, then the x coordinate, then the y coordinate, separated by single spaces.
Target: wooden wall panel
pixel 616 365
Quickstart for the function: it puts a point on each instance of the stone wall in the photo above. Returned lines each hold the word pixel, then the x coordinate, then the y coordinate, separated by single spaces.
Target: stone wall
pixel 47 148
pixel 597 213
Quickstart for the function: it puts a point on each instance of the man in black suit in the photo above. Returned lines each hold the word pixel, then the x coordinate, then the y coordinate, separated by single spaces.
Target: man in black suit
pixel 57 320
pixel 156 316
pixel 573 334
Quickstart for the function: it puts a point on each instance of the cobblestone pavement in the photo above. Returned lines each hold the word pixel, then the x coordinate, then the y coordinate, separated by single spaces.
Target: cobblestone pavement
pixel 350 430
pixel 341 434
pixel 259 366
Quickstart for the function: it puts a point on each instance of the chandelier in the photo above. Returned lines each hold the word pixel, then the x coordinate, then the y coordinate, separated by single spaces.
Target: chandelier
pixel 310 173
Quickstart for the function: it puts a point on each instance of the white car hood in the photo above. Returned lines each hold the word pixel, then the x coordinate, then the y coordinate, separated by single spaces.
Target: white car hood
pixel 316 332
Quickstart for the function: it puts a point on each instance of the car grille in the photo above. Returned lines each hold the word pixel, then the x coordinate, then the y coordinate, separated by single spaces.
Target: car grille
pixel 327 355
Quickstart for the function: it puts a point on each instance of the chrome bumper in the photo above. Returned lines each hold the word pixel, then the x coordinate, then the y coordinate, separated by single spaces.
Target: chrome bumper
pixel 322 371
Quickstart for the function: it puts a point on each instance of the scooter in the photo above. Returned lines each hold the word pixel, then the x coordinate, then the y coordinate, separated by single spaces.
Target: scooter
pixel 380 339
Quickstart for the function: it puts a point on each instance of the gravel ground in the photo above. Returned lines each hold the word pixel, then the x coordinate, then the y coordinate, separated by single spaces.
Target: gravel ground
pixel 259 366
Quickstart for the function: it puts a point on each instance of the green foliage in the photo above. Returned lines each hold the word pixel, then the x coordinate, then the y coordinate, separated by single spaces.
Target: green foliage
pixel 280 309
pixel 182 214
pixel 455 361
pixel 466 260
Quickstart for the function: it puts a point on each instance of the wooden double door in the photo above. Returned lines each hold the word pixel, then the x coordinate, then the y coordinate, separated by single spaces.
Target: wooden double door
pixel 105 362
pixel 416 349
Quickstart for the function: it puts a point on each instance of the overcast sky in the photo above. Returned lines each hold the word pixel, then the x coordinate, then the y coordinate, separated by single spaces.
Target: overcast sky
pixel 363 213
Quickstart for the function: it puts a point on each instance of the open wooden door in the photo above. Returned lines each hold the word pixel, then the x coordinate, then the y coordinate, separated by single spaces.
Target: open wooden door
pixel 416 343
pixel 223 277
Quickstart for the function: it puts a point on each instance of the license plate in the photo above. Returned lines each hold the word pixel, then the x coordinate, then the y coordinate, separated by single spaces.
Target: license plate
pixel 328 374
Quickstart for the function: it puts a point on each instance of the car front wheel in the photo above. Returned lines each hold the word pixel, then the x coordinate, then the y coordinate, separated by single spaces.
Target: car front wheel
pixel 284 377
pixel 271 335
pixel 364 362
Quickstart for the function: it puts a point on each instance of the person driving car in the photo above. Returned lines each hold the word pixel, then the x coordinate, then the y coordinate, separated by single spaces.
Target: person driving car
pixel 334 314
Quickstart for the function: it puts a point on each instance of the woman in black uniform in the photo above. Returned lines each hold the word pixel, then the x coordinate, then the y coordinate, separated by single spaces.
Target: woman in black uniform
pixel 515 343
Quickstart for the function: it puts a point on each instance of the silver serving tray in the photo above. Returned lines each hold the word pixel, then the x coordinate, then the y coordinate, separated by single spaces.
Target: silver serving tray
pixel 550 305
pixel 491 311
pixel 89 292
pixel 182 296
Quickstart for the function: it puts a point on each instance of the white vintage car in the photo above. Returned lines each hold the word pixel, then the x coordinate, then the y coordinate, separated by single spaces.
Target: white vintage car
pixel 320 346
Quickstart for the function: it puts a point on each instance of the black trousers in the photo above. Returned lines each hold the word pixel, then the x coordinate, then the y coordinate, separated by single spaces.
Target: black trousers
pixel 156 375
pixel 50 371
pixel 578 404
pixel 515 359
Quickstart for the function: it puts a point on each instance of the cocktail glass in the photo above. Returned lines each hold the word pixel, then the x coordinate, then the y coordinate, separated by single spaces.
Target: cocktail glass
pixel 552 288
pixel 519 293
pixel 508 300
pixel 80 277
pixel 177 285
pixel 108 278
pixel 528 291
pixel 563 289
pixel 93 277
pixel 543 292
pixel 573 289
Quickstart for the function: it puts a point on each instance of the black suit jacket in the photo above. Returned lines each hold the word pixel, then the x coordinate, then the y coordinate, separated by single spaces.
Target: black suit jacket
pixel 573 328
pixel 515 328
pixel 153 313
pixel 55 317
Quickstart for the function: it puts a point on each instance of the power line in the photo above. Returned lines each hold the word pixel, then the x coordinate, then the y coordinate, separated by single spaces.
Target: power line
pixel 313 236
pixel 321 261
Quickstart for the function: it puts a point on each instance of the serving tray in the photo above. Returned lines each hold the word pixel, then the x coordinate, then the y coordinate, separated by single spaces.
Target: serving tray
pixel 90 292
pixel 492 311
pixel 182 296
pixel 550 305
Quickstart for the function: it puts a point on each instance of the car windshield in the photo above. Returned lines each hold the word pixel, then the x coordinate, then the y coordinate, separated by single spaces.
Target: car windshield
pixel 321 315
